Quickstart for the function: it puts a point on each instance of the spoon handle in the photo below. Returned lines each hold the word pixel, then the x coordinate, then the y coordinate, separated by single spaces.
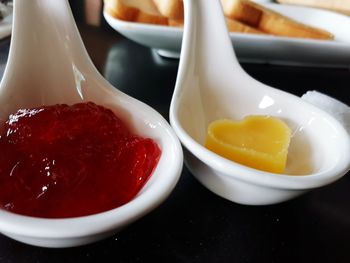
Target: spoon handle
pixel 206 48
pixel 206 33
pixel 45 46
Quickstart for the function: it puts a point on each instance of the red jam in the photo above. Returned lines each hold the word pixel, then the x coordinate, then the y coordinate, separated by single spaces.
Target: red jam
pixel 66 161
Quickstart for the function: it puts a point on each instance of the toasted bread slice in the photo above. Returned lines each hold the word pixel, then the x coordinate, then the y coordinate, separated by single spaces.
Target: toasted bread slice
pixel 172 9
pixel 269 21
pixel 277 25
pixel 142 11
pixel 241 11
pixel 342 6
pixel 236 26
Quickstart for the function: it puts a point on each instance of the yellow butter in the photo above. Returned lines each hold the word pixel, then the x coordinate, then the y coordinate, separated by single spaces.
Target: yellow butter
pixel 260 142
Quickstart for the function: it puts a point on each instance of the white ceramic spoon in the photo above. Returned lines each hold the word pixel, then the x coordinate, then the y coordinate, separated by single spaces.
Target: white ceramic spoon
pixel 48 64
pixel 212 85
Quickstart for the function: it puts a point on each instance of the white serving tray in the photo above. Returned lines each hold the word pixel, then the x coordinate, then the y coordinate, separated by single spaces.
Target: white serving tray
pixel 260 48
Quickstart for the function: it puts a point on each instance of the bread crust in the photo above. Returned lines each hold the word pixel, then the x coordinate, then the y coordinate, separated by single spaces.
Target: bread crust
pixel 241 11
pixel 269 21
pixel 173 9
pixel 124 10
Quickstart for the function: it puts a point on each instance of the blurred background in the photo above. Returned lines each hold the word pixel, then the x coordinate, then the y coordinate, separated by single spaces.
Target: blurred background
pixel 88 11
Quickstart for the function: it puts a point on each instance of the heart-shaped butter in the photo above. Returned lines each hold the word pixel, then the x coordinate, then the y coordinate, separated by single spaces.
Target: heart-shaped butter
pixel 260 142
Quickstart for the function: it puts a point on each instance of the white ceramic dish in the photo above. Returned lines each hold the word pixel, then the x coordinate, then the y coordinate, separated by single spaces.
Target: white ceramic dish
pixel 257 48
pixel 48 64
pixel 211 85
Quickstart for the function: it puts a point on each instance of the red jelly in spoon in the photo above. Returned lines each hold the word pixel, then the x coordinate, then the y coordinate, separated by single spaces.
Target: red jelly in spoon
pixel 66 161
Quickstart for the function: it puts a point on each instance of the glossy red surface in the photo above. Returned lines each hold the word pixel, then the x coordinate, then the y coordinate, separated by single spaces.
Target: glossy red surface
pixel 66 161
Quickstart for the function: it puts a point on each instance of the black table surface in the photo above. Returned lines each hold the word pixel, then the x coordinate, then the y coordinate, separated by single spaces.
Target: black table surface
pixel 193 224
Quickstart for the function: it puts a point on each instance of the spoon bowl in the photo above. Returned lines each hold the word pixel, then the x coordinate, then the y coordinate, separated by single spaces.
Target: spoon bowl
pixel 212 85
pixel 48 64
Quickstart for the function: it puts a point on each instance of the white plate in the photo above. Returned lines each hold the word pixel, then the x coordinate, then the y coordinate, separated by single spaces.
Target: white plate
pixel 259 48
